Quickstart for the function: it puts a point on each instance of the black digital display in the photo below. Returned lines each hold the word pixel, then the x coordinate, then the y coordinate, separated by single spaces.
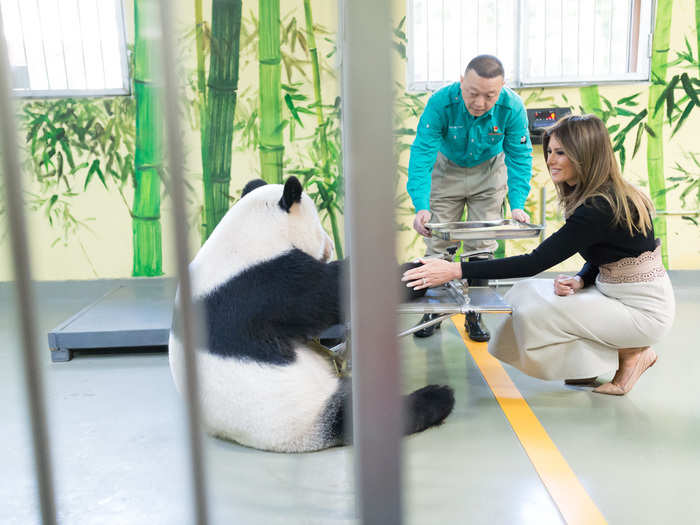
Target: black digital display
pixel 546 115
pixel 542 118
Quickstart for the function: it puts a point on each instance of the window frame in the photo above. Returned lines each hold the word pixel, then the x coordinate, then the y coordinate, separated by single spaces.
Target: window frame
pixel 124 90
pixel 518 82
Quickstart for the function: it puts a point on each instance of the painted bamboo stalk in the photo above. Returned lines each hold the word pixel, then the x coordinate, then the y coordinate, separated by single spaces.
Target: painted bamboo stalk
pixel 222 88
pixel 271 145
pixel 148 155
pixel 321 123
pixel 590 100
pixel 655 142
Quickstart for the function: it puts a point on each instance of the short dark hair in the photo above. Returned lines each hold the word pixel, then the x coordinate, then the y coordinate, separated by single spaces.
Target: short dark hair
pixel 486 66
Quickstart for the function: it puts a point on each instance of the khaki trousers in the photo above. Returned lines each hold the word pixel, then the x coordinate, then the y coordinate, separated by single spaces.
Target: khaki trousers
pixel 482 189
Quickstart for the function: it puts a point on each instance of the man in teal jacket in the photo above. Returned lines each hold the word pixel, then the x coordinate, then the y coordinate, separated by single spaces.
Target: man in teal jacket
pixel 472 146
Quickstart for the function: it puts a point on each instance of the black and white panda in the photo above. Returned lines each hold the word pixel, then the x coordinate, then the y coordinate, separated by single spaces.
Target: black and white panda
pixel 266 287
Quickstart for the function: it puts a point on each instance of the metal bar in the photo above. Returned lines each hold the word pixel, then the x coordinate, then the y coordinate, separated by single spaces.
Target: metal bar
pixel 43 44
pixel 24 44
pixel 633 40
pixel 678 212
pixel 82 43
pixel 175 169
pixel 369 226
pixel 33 379
pixel 63 44
pixel 420 326
pixel 123 50
pixel 610 37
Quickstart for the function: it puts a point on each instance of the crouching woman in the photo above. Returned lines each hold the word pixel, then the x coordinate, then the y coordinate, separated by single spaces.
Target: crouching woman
pixel 606 317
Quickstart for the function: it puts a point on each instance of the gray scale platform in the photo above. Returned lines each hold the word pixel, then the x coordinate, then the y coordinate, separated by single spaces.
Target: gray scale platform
pixel 133 315
pixel 138 314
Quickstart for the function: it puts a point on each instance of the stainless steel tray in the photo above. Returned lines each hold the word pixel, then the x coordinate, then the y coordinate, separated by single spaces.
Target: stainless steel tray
pixel 483 230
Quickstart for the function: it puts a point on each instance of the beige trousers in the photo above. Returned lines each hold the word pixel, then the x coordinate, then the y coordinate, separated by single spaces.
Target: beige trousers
pixel 482 189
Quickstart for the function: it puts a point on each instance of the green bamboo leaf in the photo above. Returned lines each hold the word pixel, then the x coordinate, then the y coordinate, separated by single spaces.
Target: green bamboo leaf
pixel 65 146
pixel 650 131
pixel 688 87
pixel 628 101
pixel 59 164
pixel 624 112
pixel 281 126
pixel 612 129
pixel 638 139
pixel 622 158
pixel 686 113
pixel 691 187
pixel 668 91
pixel 50 204
pixel 100 174
pixel 79 167
pixel 634 121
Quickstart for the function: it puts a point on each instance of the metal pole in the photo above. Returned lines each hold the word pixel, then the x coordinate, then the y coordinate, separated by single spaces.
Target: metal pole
pixel 20 255
pixel 175 169
pixel 369 166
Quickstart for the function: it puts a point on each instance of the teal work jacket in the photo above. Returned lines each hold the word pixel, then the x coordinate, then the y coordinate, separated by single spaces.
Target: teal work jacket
pixel 448 127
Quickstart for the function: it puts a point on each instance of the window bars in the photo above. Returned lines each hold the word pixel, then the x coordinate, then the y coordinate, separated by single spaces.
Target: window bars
pixel 377 408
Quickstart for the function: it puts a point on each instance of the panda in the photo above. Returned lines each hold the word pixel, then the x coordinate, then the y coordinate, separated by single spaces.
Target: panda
pixel 265 285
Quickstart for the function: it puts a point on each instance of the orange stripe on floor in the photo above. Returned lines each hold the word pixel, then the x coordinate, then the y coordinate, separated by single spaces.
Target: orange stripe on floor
pixel 572 500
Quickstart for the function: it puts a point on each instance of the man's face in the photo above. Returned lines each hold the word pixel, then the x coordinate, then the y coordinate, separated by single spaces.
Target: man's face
pixel 480 94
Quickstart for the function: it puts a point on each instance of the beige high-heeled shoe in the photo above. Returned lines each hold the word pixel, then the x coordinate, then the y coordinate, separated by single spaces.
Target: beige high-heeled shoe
pixel 628 374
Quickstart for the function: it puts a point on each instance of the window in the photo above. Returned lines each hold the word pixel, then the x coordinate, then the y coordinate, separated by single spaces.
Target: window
pixel 61 48
pixel 540 42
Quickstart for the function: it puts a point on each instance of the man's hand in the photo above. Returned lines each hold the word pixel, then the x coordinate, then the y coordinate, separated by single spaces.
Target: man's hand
pixel 567 285
pixel 419 221
pixel 519 215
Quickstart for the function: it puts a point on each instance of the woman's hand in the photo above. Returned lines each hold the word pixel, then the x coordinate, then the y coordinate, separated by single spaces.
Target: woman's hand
pixel 567 285
pixel 434 272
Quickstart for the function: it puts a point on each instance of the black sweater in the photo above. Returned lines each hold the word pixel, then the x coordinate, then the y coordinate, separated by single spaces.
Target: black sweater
pixel 588 231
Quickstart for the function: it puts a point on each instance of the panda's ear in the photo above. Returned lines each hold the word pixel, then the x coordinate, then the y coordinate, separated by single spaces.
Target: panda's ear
pixel 291 193
pixel 255 183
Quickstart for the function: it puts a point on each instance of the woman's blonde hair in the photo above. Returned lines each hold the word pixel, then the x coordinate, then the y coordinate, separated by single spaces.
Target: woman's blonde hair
pixel 586 143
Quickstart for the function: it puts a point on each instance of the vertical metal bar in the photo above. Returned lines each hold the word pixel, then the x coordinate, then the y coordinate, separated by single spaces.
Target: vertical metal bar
pixel 20 254
pixel 119 13
pixel 610 36
pixel 520 44
pixel 578 39
pixel 24 44
pixel 633 31
pixel 427 39
pixel 102 49
pixel 462 65
pixel 63 44
pixel 175 169
pixel 43 45
pixel 377 422
pixel 442 20
pixel 543 212
pixel 595 19
pixel 82 43
pixel 561 39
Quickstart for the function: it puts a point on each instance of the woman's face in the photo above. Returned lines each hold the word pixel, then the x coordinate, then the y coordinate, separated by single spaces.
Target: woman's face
pixel 560 167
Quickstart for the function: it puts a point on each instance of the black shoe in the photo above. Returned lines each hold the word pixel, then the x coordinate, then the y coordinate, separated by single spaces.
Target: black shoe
pixel 475 328
pixel 428 330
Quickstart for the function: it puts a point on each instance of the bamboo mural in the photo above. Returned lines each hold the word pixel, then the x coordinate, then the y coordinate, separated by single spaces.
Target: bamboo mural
pixel 590 100
pixel 217 123
pixel 148 156
pixel 328 203
pixel 271 141
pixel 655 140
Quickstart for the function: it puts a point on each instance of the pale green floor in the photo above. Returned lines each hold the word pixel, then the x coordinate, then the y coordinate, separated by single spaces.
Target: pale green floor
pixel 117 434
